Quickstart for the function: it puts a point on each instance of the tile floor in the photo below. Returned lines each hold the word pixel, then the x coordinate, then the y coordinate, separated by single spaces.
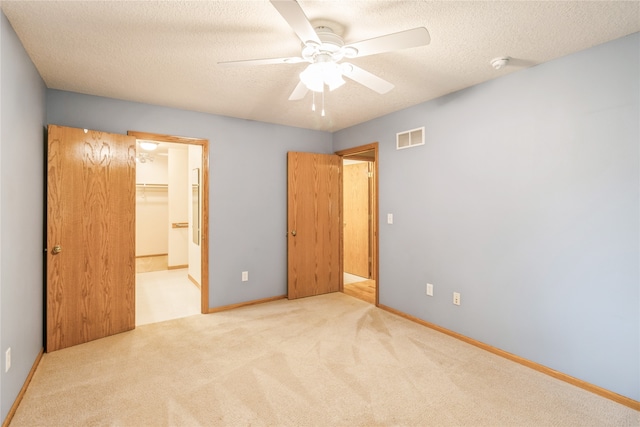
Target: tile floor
pixel 164 295
pixel 151 263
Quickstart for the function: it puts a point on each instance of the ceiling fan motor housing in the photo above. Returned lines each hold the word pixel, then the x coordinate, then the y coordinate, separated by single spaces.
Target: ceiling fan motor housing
pixel 330 41
pixel 331 46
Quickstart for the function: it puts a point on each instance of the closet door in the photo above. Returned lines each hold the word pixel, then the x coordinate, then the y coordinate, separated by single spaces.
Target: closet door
pixel 90 290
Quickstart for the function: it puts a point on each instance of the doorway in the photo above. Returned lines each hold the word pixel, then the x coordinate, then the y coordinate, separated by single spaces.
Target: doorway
pixel 186 270
pixel 360 222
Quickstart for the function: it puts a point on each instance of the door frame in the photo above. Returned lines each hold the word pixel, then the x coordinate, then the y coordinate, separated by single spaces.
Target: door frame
pixel 204 233
pixel 353 154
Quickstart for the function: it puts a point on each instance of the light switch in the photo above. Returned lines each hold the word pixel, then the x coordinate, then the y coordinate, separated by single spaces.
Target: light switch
pixel 389 218
pixel 429 289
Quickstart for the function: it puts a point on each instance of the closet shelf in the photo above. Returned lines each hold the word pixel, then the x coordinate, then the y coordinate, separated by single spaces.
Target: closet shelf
pixel 152 185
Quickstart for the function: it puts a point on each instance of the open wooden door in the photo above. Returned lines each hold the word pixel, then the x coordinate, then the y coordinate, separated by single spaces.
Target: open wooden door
pixel 90 289
pixel 356 226
pixel 313 221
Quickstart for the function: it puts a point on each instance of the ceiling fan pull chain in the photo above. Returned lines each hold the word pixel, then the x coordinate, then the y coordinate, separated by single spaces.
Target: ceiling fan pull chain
pixel 323 100
pixel 313 105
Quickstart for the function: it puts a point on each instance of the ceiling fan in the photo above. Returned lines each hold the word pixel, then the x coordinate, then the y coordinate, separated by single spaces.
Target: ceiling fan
pixel 323 50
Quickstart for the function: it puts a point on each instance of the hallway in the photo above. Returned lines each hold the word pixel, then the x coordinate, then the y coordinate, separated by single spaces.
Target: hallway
pixel 164 295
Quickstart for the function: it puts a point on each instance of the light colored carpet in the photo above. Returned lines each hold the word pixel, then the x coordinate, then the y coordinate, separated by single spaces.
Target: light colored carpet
pixel 330 360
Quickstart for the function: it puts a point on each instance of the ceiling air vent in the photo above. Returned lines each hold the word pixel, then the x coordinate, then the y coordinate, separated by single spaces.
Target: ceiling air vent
pixel 410 138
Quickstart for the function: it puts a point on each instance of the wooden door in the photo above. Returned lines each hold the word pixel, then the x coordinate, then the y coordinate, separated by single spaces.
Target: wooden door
pixel 355 196
pixel 313 220
pixel 90 236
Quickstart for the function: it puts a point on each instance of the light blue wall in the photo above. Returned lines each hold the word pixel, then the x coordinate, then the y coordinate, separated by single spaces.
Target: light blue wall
pixel 525 199
pixel 22 120
pixel 248 183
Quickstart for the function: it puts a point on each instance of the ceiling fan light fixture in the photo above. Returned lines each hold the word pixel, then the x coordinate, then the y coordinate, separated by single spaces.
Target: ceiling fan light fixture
pixel 318 74
pixel 333 75
pixel 312 77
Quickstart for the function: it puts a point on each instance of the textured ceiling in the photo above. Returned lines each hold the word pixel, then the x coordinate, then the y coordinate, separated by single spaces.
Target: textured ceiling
pixel 166 53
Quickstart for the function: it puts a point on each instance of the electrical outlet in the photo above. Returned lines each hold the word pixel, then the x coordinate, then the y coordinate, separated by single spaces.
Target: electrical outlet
pixel 456 298
pixel 245 276
pixel 7 360
pixel 429 289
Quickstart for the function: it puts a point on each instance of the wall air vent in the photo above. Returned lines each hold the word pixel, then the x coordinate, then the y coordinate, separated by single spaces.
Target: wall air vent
pixel 410 138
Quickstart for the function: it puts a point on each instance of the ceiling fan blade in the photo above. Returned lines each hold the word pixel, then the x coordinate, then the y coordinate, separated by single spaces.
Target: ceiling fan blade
pixel 365 78
pixel 266 61
pixel 396 41
pixel 299 92
pixel 297 20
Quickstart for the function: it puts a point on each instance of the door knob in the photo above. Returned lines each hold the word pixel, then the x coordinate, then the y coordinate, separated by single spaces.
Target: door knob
pixel 57 249
pixel 293 233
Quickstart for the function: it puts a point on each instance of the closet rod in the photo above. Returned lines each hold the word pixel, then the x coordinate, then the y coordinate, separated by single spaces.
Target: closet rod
pixel 152 185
